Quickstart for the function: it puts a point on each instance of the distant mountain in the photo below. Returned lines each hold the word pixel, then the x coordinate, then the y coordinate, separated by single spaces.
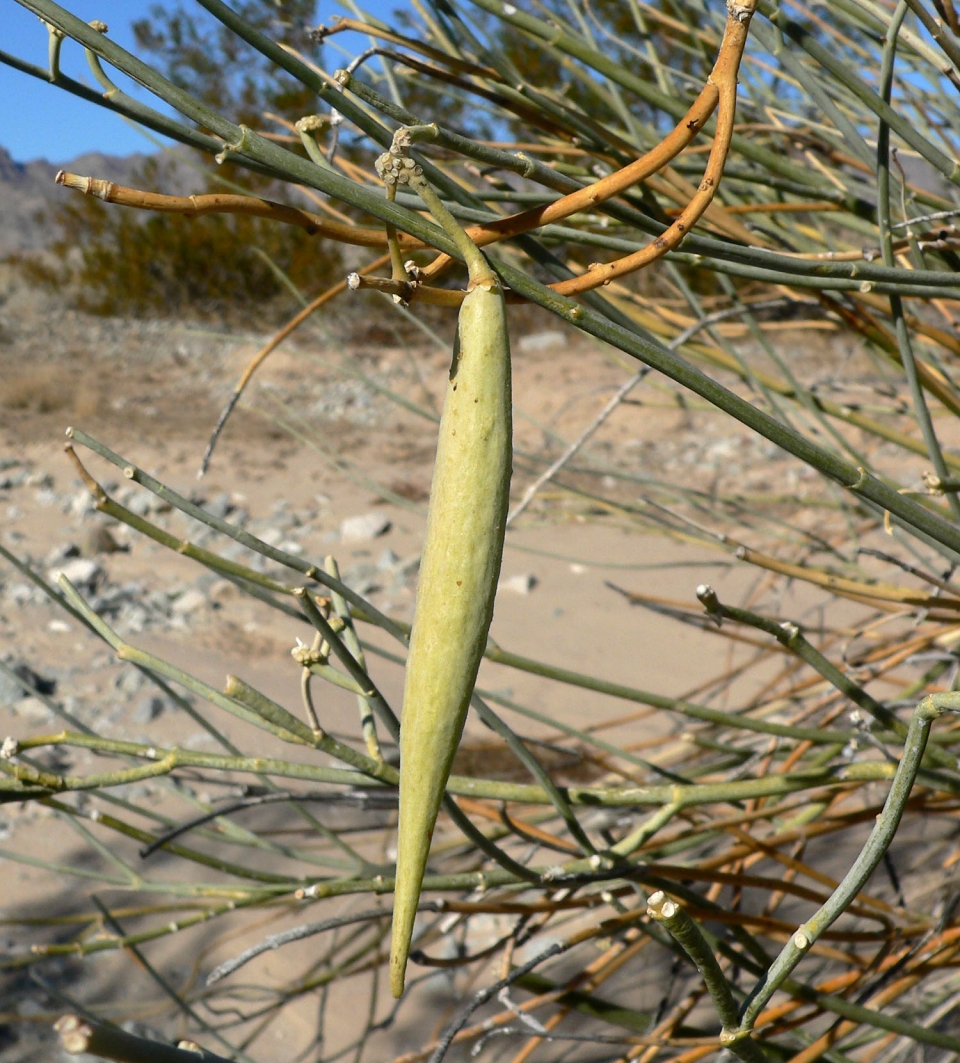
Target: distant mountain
pixel 27 188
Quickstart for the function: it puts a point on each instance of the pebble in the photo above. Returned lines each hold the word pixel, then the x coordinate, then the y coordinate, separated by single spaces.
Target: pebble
pixel 39 682
pixel 140 502
pixel 32 709
pixel 13 479
pixel 61 553
pixel 361 529
pixel 149 709
pixel 188 602
pixel 129 681
pixel 520 584
pixel 10 689
pixel 362 577
pixel 99 540
pixel 388 560
pixel 219 506
pixel 541 341
pixel 81 503
pixel 20 593
pixel 84 573
pixel 223 591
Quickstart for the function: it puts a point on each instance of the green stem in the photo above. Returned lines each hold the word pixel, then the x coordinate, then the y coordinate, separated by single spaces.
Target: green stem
pixel 886 245
pixel 930 708
pixel 80 1036
pixel 690 938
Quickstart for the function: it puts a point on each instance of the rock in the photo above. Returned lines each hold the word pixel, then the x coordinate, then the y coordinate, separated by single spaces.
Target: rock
pixel 188 602
pixel 361 577
pixel 387 561
pixel 541 341
pixel 223 591
pixel 132 618
pixel 129 681
pixel 10 480
pixel 10 690
pixel 519 584
pixel 61 553
pixel 32 709
pixel 220 506
pixel 116 597
pixel 40 683
pixel 361 529
pixel 19 593
pixel 82 572
pixel 99 540
pixel 149 709
pixel 59 627
pixel 140 502
pixel 81 503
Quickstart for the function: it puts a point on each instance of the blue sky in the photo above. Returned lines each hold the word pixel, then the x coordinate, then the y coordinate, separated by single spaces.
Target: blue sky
pixel 40 121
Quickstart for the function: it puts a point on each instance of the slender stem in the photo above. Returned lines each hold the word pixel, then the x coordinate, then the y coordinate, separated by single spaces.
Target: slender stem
pixel 886 244
pixel 80 1036
pixel 690 938
pixel 930 708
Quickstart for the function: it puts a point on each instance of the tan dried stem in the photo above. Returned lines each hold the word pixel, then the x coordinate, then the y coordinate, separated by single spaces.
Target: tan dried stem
pixel 721 87
pixel 261 356
pixel 222 203
pixel 342 23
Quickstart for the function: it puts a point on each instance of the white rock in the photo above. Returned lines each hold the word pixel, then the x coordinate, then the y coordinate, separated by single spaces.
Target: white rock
pixel 81 503
pixel 541 341
pixel 388 560
pixel 61 553
pixel 82 572
pixel 360 529
pixel 59 627
pixel 519 584
pixel 188 602
pixel 32 709
pixel 19 593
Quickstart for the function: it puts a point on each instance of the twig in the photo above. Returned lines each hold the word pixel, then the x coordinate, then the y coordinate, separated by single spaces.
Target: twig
pixel 298 933
pixel 930 708
pixel 260 357
pixel 622 392
pixel 479 999
pixel 690 938
pixel 109 1042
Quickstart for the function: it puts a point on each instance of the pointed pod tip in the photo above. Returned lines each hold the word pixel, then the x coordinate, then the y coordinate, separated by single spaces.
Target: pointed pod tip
pixel 398 972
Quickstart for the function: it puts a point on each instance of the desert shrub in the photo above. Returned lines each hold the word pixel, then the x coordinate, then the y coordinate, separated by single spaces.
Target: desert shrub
pixel 767 868
pixel 166 264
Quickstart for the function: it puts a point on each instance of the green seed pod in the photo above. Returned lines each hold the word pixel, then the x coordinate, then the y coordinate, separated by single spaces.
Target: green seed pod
pixel 462 551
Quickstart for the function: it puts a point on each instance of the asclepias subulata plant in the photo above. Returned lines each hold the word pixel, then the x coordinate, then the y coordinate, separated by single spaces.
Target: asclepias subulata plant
pixel 584 186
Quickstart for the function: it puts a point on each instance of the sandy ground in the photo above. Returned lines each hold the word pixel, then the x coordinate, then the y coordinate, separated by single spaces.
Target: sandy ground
pixel 322 443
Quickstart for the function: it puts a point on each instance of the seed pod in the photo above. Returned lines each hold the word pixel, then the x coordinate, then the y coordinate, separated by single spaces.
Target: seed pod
pixel 466 521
